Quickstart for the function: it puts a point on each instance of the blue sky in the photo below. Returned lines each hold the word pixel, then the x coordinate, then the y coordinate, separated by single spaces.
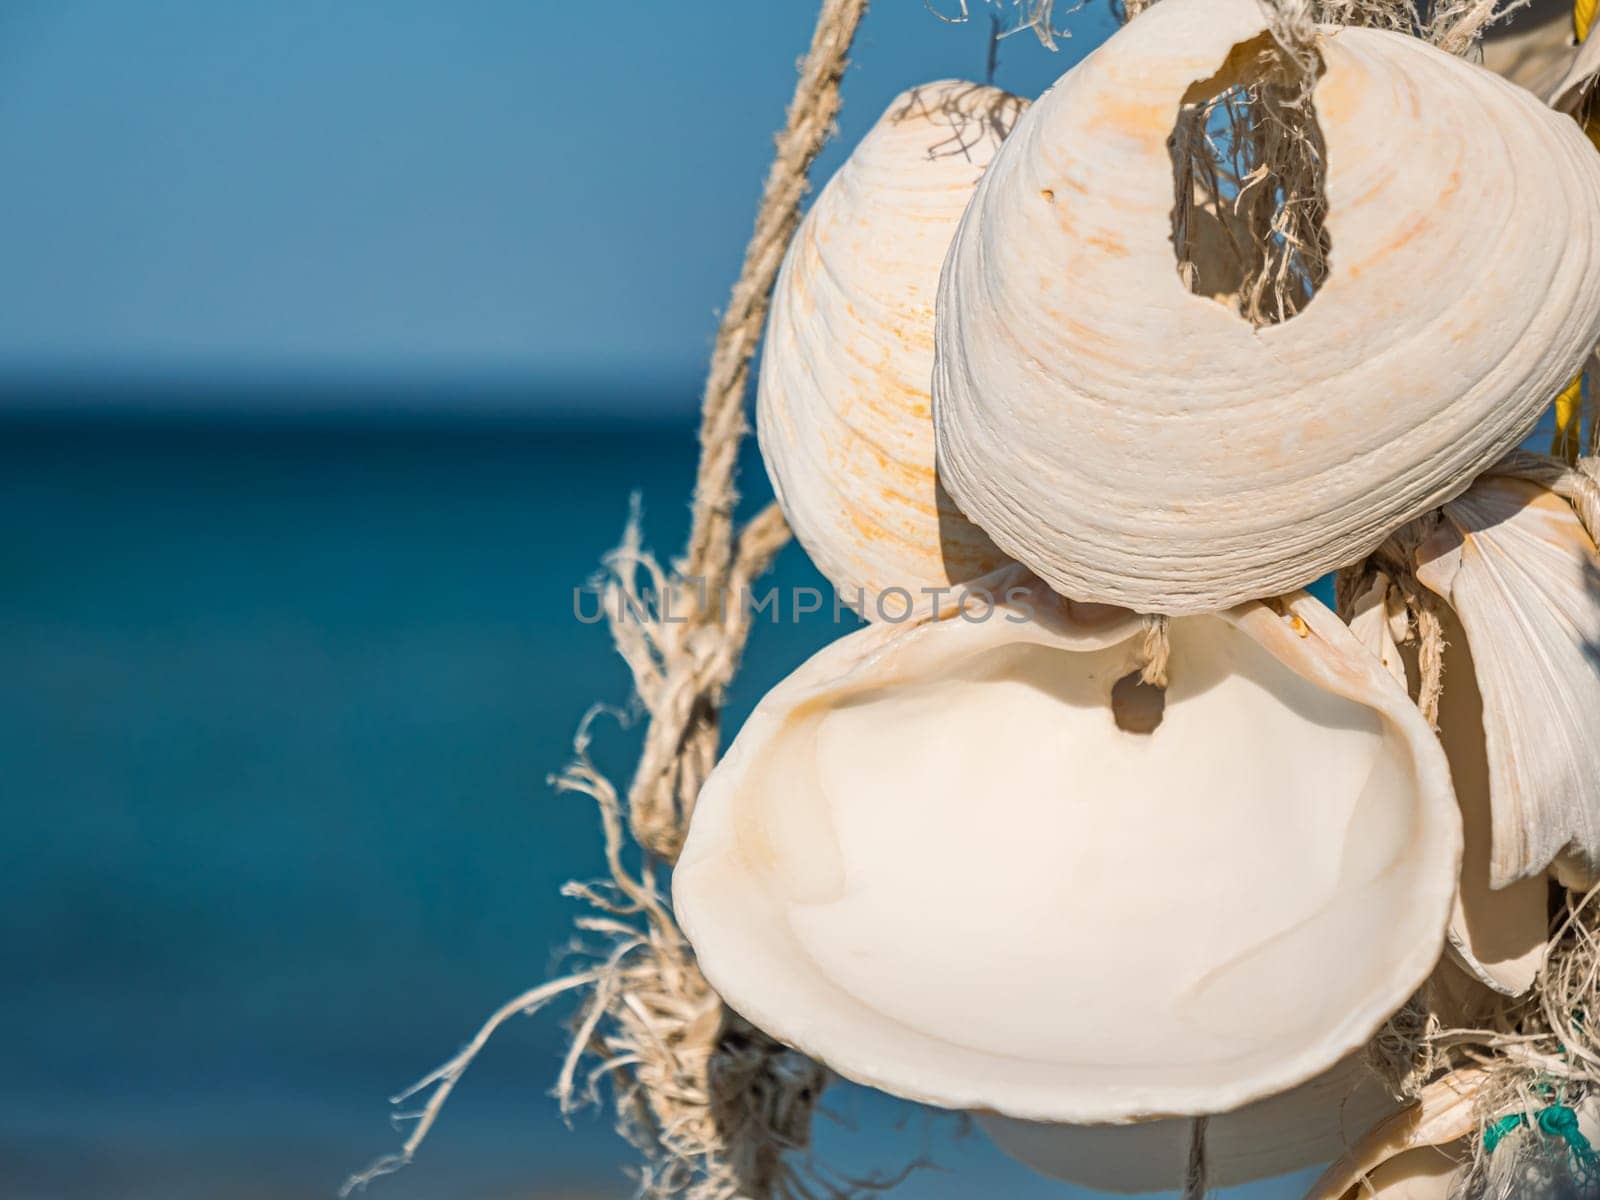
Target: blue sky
pixel 410 187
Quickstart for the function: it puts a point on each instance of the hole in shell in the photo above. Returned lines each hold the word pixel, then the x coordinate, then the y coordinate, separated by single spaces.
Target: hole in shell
pixel 1137 706
pixel 1249 171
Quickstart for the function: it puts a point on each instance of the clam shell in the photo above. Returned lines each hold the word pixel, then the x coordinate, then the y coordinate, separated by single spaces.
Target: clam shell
pixel 843 412
pixel 1517 567
pixel 1304 1126
pixel 1534 49
pixel 1445 1112
pixel 1425 1174
pixel 1420 1153
pixel 933 860
pixel 1140 445
pixel 1578 80
pixel 1497 935
pixel 1380 624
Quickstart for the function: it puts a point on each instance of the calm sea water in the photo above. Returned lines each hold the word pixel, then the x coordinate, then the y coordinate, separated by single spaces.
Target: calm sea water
pixel 277 707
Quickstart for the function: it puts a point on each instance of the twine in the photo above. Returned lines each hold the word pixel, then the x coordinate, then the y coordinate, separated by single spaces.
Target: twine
pixel 699 659
pixel 1194 1180
pixel 1156 651
pixel 712 1103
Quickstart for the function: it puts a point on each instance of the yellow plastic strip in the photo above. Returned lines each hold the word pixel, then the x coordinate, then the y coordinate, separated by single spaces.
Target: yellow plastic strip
pixel 1569 420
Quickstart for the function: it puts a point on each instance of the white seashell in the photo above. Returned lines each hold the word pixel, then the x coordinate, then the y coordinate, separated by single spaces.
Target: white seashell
pixel 1380 624
pixel 1579 78
pixel 933 860
pixel 1420 1153
pixel 1427 1173
pixel 843 412
pixel 1497 935
pixel 1445 1112
pixel 1533 48
pixel 1515 564
pixel 1140 445
pixel 1302 1127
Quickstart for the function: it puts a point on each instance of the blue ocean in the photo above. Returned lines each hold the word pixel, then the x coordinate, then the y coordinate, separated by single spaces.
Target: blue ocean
pixel 278 703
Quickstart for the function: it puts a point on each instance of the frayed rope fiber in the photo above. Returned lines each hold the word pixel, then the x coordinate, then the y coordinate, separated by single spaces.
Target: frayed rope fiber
pixel 712 1104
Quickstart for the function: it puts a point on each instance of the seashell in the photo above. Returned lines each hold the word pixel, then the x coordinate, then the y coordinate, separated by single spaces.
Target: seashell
pixel 1445 1112
pixel 1517 567
pixel 1422 1153
pixel 1380 624
pixel 1428 1173
pixel 843 413
pixel 1140 445
pixel 1533 47
pixel 1576 82
pixel 1497 936
pixel 1302 1127
pixel 943 860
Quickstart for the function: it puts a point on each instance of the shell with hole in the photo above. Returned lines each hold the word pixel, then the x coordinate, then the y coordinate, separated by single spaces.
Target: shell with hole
pixel 1136 443
pixel 1305 1126
pixel 974 862
pixel 843 412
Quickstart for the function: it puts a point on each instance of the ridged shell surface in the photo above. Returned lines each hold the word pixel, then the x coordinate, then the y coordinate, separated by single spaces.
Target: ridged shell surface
pixel 1137 444
pixel 843 411
pixel 1518 568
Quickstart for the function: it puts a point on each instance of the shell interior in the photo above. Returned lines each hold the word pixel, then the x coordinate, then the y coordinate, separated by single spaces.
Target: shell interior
pixel 934 860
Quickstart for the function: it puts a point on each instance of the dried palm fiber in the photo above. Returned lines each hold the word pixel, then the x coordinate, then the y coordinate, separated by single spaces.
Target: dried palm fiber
pixel 1249 162
pixel 711 1103
pixel 1035 16
pixel 1250 165
pixel 1249 173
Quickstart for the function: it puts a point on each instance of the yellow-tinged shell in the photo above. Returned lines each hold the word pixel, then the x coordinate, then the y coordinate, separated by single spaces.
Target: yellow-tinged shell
pixel 944 860
pixel 843 410
pixel 1137 444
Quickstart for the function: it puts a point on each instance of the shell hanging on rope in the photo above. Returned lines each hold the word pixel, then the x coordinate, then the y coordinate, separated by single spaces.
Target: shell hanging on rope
pixel 1533 48
pixel 958 861
pixel 843 412
pixel 1427 1151
pixel 1446 1112
pixel 1380 623
pixel 1497 936
pixel 1518 568
pixel 1139 444
pixel 1305 1126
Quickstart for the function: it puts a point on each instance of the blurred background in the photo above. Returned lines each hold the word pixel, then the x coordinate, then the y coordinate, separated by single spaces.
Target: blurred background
pixel 334 336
